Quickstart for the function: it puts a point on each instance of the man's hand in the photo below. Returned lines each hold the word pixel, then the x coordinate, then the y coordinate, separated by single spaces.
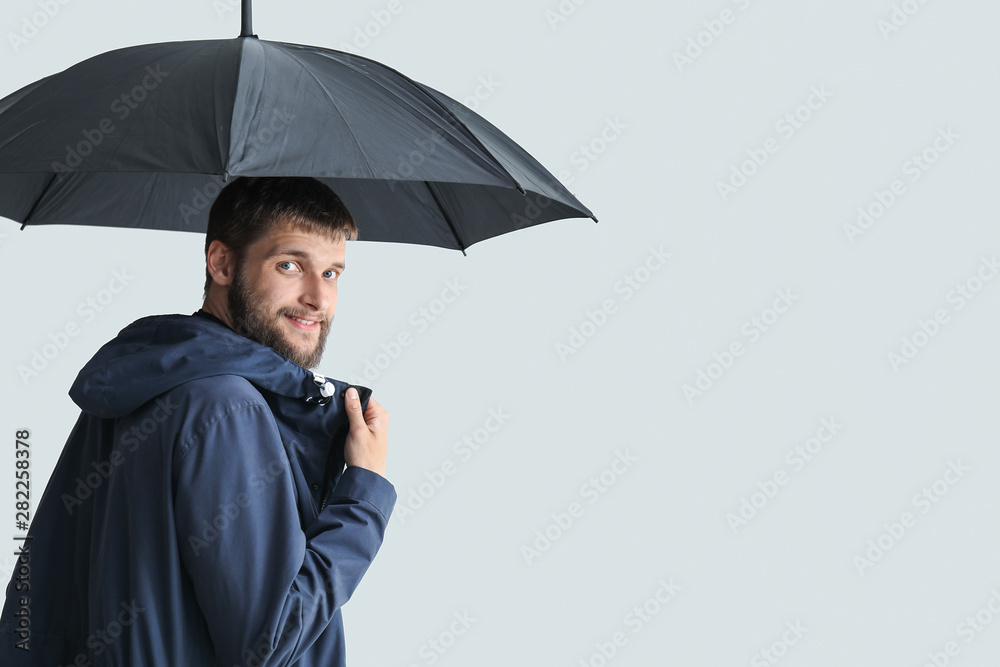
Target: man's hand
pixel 369 436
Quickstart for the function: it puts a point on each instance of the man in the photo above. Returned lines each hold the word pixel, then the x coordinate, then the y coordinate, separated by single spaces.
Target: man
pixel 201 512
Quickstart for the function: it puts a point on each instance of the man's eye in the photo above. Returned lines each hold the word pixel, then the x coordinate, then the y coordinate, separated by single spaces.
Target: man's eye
pixel 330 273
pixel 287 266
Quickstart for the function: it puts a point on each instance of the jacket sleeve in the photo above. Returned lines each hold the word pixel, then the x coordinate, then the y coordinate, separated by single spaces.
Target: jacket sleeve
pixel 267 588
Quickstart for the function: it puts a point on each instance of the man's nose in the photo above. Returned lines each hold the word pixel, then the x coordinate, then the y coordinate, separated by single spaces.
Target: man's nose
pixel 318 294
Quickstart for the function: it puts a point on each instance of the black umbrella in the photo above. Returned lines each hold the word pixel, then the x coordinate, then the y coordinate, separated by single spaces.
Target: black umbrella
pixel 146 137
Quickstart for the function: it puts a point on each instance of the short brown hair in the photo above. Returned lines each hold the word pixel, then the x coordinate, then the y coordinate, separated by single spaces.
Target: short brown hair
pixel 249 207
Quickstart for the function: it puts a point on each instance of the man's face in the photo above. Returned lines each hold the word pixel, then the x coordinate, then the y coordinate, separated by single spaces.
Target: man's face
pixel 284 292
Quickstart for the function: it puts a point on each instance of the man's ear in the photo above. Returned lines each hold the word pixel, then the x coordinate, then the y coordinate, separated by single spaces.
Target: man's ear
pixel 221 262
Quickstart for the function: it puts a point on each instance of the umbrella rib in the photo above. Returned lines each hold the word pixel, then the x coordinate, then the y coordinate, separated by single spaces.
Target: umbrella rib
pixel 447 218
pixel 472 134
pixel 333 103
pixel 418 88
pixel 38 200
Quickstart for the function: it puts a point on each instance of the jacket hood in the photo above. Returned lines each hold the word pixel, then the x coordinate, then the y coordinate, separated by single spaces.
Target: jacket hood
pixel 157 353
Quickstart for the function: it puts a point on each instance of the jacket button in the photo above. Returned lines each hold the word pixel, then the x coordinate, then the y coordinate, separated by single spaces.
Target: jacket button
pixel 327 389
pixel 315 487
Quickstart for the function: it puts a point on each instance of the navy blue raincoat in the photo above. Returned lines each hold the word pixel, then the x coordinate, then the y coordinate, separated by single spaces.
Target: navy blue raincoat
pixel 200 513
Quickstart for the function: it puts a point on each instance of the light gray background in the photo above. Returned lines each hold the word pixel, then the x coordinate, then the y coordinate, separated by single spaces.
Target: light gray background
pixel 556 85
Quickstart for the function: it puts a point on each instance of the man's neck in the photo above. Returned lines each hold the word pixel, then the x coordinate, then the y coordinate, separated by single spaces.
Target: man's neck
pixel 204 313
pixel 215 305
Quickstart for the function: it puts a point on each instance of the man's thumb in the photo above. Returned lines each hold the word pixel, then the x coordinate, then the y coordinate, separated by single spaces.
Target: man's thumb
pixel 353 404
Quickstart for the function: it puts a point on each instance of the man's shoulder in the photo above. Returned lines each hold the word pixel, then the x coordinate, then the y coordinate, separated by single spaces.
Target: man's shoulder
pixel 221 382
pixel 195 404
pixel 209 403
pixel 221 391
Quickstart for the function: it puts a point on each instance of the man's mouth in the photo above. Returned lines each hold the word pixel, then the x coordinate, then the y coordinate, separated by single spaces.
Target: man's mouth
pixel 304 323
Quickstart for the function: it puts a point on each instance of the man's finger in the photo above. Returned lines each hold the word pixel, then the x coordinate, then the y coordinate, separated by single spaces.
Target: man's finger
pixel 353 405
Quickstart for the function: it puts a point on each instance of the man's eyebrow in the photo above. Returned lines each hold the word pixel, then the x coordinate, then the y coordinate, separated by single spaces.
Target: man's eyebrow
pixel 298 252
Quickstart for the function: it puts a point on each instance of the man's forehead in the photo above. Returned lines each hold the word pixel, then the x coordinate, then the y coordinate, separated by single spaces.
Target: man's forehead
pixel 289 235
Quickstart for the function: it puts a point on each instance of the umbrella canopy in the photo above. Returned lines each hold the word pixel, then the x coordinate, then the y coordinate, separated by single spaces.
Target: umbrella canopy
pixel 146 136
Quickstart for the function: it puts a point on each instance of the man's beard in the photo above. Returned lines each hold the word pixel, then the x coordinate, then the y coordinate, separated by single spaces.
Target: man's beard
pixel 255 318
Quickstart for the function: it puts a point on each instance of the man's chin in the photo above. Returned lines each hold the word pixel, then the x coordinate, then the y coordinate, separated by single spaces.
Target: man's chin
pixel 307 360
pixel 308 356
